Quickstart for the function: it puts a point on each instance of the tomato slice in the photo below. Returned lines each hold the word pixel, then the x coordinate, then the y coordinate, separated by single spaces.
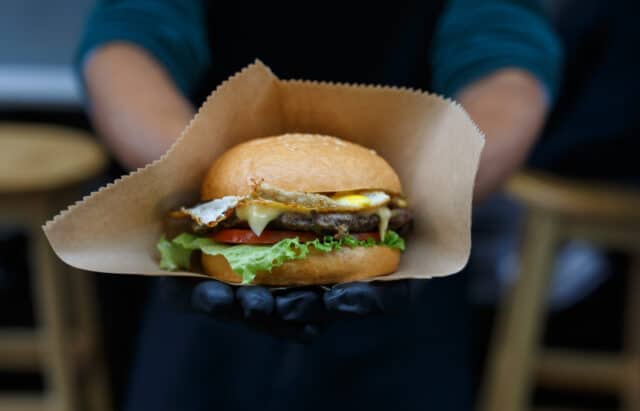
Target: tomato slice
pixel 246 236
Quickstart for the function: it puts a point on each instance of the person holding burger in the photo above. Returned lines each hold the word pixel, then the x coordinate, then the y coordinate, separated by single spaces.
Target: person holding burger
pixel 145 65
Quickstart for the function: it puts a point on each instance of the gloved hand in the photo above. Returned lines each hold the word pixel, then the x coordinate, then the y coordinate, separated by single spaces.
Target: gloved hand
pixel 293 313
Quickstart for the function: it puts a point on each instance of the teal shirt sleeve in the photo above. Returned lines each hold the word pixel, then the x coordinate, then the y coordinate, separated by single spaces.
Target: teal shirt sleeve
pixel 173 31
pixel 477 37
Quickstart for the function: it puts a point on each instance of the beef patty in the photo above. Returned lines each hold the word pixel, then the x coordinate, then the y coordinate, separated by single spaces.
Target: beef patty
pixel 330 223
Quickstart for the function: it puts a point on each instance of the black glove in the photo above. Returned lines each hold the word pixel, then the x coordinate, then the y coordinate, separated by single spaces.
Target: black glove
pixel 293 313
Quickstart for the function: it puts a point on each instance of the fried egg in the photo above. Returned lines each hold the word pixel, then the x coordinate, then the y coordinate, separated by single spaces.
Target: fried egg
pixel 211 212
pixel 371 199
pixel 267 203
pixel 306 202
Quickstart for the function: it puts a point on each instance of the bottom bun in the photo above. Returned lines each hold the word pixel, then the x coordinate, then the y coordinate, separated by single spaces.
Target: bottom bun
pixel 344 265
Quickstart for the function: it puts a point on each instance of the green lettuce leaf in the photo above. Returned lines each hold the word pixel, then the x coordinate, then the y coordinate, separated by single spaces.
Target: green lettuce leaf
pixel 248 259
pixel 173 257
pixel 393 240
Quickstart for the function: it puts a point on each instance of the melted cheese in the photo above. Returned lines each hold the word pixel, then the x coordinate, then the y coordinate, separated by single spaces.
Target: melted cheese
pixel 385 214
pixel 257 216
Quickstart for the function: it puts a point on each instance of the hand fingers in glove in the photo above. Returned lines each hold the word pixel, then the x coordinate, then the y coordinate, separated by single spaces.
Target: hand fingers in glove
pixel 217 299
pixel 256 302
pixel 255 307
pixel 299 305
pixel 213 297
pixel 351 300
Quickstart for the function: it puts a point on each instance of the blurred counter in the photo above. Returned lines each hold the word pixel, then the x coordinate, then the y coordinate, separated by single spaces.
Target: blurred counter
pixel 28 86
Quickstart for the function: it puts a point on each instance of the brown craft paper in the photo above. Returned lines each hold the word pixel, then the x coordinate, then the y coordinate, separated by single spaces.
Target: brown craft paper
pixel 430 141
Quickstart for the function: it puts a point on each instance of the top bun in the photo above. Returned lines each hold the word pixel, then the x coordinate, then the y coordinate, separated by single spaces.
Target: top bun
pixel 299 162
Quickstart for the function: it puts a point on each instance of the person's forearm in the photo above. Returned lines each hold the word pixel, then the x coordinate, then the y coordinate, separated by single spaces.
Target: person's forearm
pixel 509 106
pixel 133 103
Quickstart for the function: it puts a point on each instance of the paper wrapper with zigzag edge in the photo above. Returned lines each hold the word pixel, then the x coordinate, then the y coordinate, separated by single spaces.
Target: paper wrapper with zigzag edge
pixel 430 141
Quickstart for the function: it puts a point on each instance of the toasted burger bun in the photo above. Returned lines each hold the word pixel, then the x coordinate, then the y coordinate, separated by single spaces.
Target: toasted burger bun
pixel 304 163
pixel 299 162
pixel 344 265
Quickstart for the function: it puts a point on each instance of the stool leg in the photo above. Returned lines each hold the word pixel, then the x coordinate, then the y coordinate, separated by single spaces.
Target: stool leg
pixel 95 377
pixel 631 395
pixel 508 380
pixel 55 340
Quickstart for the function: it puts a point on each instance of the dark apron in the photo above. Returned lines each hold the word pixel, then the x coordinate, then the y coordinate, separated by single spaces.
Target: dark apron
pixel 418 361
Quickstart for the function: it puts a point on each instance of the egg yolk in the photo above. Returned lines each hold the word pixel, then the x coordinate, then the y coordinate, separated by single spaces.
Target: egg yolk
pixel 353 200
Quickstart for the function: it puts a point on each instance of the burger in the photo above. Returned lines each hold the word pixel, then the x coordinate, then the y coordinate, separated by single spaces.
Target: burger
pixel 294 209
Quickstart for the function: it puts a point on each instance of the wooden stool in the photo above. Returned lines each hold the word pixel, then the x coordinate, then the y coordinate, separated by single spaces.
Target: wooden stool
pixel 39 168
pixel 559 210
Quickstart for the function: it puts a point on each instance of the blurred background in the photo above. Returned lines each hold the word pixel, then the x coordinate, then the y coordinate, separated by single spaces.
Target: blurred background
pixel 38 88
pixel 37 48
pixel 568 332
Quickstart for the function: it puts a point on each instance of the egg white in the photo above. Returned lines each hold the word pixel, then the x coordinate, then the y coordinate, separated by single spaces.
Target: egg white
pixel 213 212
